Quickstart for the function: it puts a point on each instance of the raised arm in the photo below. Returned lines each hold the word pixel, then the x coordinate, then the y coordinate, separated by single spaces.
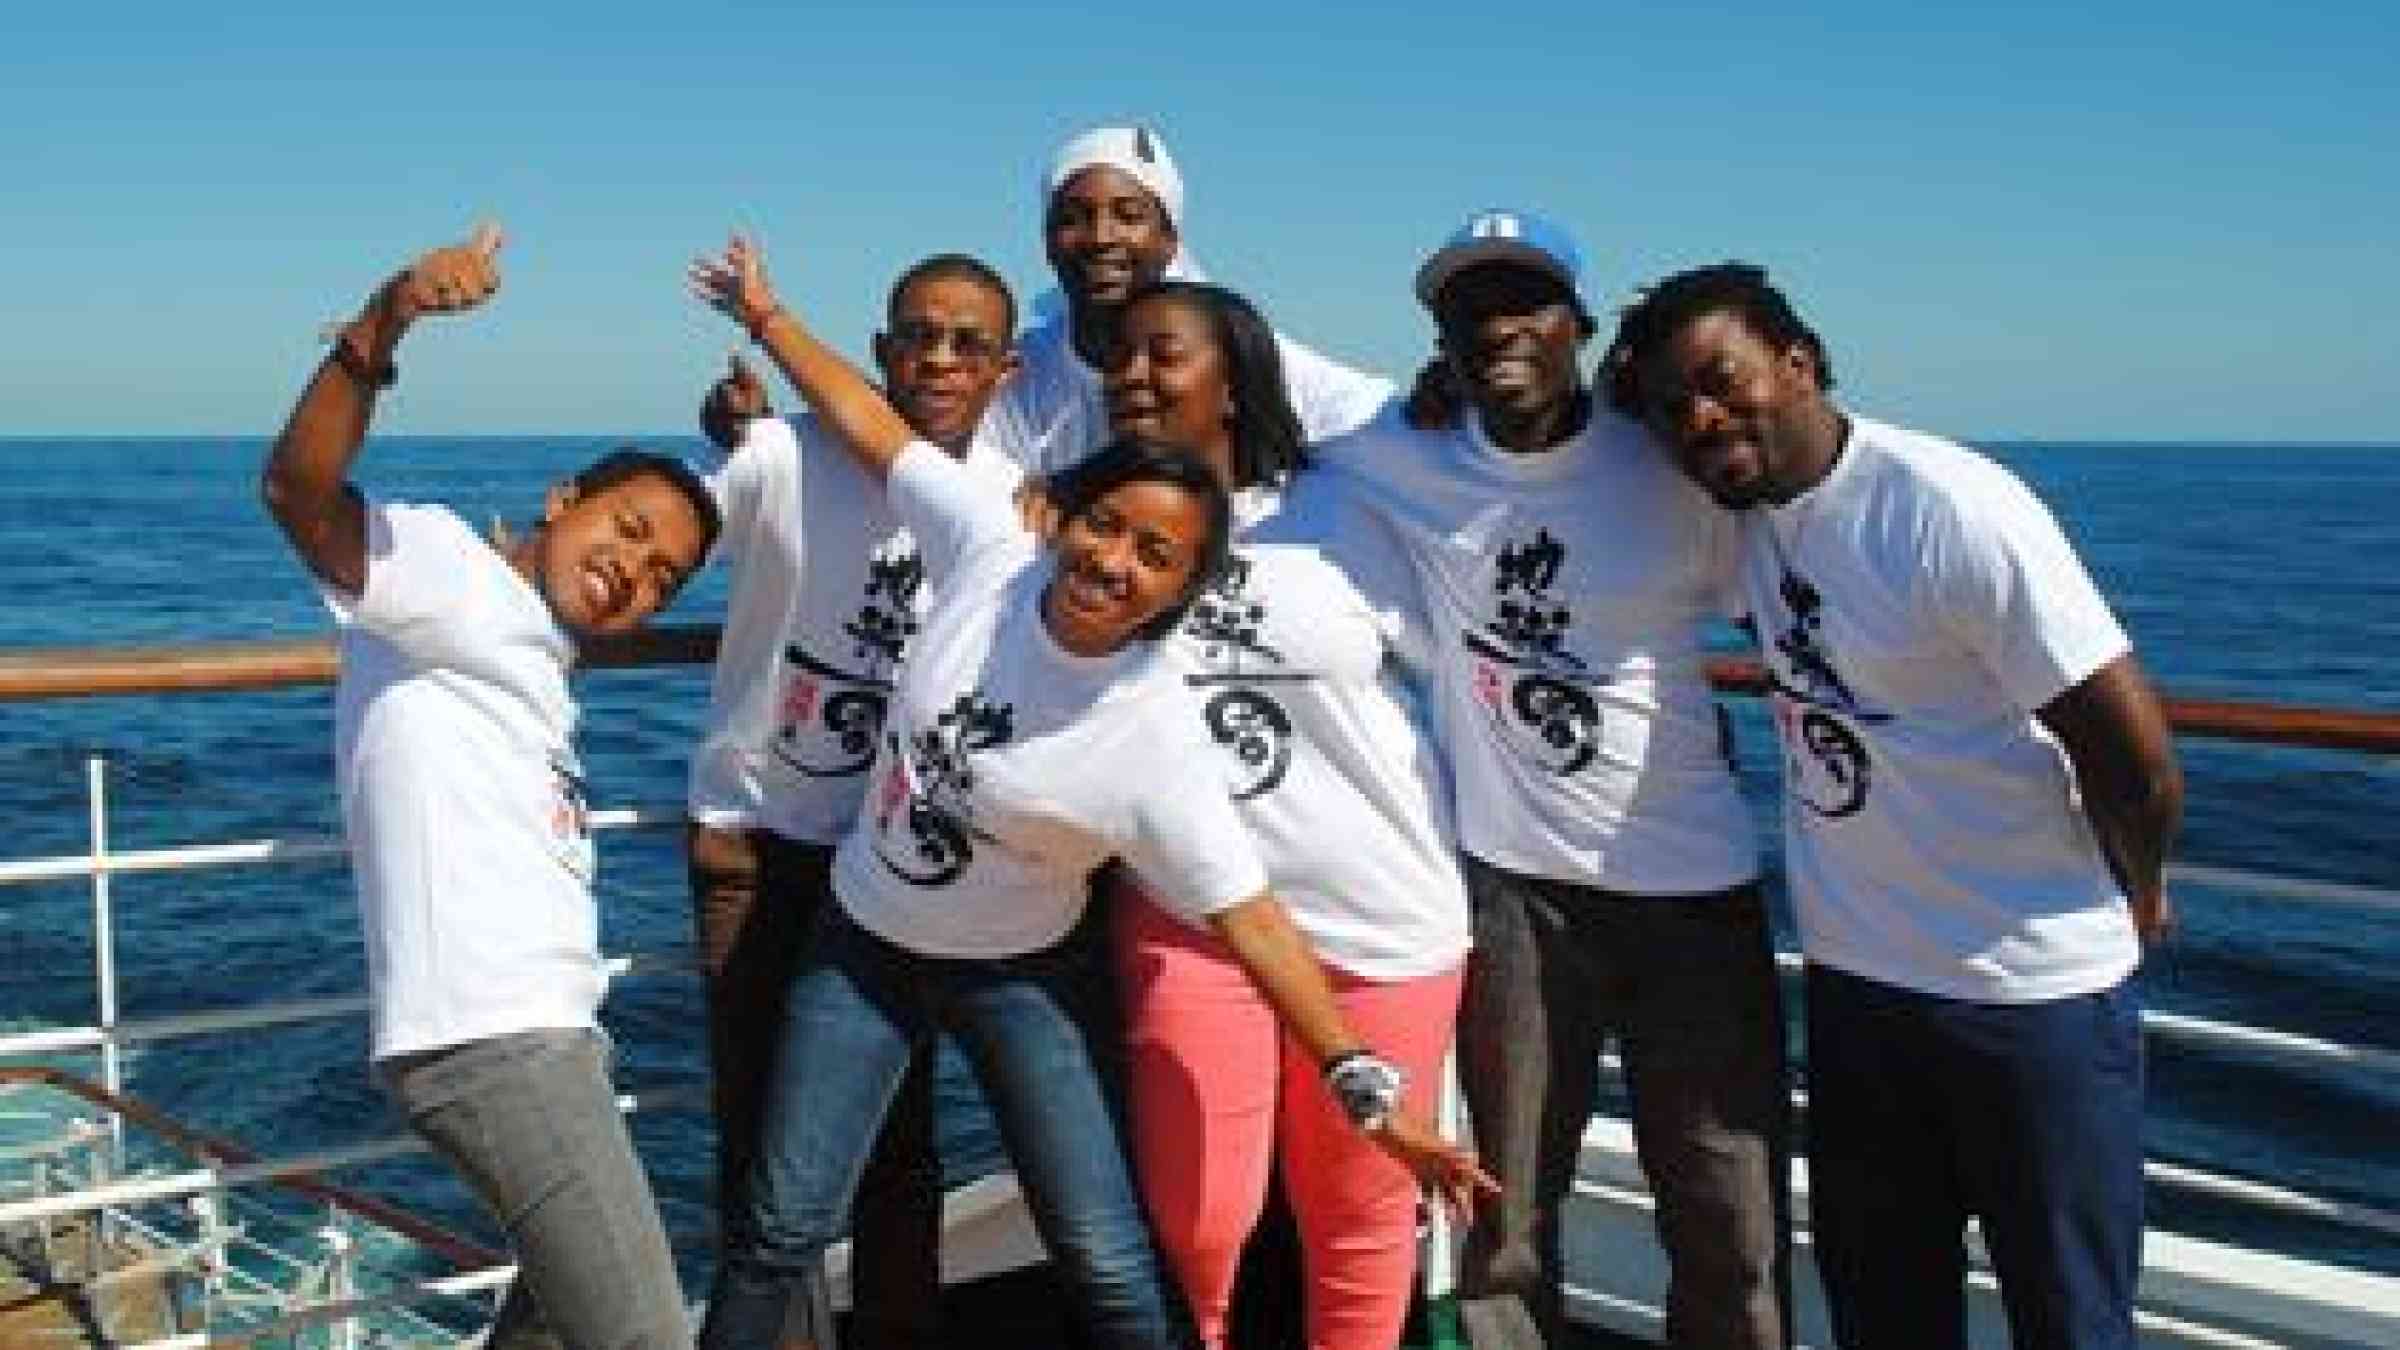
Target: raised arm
pixel 2116 735
pixel 306 480
pixel 735 283
pixel 1281 963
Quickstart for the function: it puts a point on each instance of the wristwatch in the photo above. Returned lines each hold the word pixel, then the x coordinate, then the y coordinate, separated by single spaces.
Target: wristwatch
pixel 1367 1086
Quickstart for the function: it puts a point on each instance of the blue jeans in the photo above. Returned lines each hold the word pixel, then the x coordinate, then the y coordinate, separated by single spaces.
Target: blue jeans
pixel 531 1123
pixel 858 1006
pixel 1924 1111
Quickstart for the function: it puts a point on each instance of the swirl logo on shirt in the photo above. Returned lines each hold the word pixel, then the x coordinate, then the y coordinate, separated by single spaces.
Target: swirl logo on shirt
pixel 925 810
pixel 1536 691
pixel 1226 624
pixel 831 716
pixel 1825 761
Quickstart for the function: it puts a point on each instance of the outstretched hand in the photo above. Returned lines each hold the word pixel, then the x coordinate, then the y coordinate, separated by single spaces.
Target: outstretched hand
pixel 734 283
pixel 1446 1169
pixel 730 403
pixel 449 280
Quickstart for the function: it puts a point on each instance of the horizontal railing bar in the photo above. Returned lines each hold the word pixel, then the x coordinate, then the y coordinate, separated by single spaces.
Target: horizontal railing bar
pixel 28 673
pixel 2281 1198
pixel 2256 1193
pixel 2265 1040
pixel 2342 893
pixel 297 848
pixel 219 667
pixel 293 1012
pixel 61 1040
pixel 177 1185
pixel 317 1314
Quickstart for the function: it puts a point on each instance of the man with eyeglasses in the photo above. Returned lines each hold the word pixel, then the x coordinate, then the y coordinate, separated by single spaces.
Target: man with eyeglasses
pixel 795 710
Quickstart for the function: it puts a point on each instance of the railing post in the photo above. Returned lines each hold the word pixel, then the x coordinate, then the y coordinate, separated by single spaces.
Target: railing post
pixel 341 1282
pixel 208 1254
pixel 104 953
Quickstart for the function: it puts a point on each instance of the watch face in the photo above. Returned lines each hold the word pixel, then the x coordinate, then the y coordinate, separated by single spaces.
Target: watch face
pixel 1368 1089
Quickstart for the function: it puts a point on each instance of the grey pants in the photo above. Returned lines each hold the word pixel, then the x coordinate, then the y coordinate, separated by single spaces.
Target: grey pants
pixel 530 1122
pixel 1687 985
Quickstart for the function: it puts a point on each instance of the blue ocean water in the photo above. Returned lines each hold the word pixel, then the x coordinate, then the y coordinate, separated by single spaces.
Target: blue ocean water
pixel 2255 571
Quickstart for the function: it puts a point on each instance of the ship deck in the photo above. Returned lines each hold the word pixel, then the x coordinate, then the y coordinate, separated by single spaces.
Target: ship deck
pixel 49 1298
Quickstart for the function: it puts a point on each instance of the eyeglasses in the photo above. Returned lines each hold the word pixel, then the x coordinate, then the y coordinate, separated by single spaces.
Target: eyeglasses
pixel 972 346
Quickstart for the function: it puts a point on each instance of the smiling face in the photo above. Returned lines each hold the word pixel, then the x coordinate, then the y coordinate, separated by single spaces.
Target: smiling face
pixel 1167 380
pixel 1512 336
pixel 1125 559
pixel 1744 420
pixel 944 356
pixel 1106 237
pixel 609 558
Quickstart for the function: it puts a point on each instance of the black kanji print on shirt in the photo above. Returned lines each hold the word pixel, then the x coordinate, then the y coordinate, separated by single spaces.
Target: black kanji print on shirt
pixel 1826 763
pixel 1536 690
pixel 928 793
pixel 833 713
pixel 1241 713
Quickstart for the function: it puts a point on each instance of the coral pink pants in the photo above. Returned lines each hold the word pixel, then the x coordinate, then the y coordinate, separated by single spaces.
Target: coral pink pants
pixel 1217 1091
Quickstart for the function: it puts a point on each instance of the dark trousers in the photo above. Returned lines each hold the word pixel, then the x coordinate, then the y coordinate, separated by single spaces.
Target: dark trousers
pixel 1924 1111
pixel 756 897
pixel 1687 985
pixel 1024 1023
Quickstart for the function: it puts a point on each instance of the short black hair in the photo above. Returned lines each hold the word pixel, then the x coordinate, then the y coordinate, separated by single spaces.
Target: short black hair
pixel 957 267
pixel 1663 309
pixel 1268 443
pixel 627 463
pixel 1137 459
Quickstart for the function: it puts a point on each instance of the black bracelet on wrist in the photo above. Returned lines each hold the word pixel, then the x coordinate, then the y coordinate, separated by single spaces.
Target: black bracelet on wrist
pixel 345 353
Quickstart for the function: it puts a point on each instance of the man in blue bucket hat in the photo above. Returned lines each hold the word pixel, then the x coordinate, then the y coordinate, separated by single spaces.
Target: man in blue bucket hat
pixel 1566 575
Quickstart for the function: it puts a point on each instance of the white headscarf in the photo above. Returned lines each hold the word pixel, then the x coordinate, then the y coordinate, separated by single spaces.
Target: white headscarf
pixel 1139 154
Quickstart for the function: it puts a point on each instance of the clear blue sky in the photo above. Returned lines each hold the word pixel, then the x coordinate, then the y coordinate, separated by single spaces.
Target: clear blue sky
pixel 2030 219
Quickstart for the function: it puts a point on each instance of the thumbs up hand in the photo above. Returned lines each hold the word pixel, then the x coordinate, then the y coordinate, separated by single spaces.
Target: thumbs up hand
pixel 449 280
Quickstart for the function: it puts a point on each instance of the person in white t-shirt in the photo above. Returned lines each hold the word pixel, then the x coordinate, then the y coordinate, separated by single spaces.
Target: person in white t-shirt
pixel 1979 793
pixel 1112 204
pixel 465 815
pixel 827 589
pixel 1568 576
pixel 1295 672
pixel 1034 732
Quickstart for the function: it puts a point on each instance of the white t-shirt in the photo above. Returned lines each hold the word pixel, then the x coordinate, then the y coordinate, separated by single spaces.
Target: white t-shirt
pixel 1299 692
pixel 1010 767
pixel 461 795
pixel 1566 592
pixel 1051 413
pixel 826 593
pixel 1914 609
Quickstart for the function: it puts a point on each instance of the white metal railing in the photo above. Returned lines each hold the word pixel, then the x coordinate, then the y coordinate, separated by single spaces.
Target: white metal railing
pixel 111 1035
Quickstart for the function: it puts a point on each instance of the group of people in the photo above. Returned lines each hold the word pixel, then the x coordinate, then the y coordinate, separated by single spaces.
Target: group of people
pixel 1211 740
